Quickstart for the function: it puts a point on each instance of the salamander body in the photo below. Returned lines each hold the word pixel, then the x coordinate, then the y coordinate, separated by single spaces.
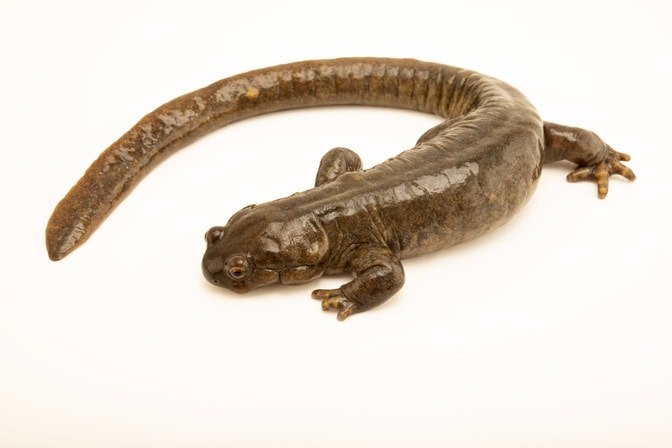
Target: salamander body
pixel 467 175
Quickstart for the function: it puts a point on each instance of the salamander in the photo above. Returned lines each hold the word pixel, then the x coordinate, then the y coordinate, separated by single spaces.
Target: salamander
pixel 462 178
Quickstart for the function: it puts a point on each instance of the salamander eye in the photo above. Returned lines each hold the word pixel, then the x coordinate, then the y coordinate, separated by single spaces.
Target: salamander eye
pixel 237 267
pixel 213 235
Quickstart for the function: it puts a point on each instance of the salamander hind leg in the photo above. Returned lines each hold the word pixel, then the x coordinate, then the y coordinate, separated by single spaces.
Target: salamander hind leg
pixel 378 276
pixel 336 162
pixel 594 158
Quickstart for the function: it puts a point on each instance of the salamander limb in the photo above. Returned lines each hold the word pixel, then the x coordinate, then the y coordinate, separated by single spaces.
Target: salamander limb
pixel 378 275
pixel 595 159
pixel 336 162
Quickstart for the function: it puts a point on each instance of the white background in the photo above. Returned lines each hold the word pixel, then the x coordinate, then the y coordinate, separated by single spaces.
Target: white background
pixel 553 331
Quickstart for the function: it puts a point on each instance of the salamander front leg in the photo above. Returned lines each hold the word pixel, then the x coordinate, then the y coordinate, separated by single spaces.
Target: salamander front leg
pixel 594 158
pixel 378 276
pixel 336 162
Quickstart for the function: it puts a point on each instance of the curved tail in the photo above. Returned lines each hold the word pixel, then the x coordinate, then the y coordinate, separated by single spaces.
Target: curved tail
pixel 401 83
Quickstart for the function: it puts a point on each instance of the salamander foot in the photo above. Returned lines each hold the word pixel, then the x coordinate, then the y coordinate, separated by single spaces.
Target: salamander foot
pixel 601 171
pixel 332 299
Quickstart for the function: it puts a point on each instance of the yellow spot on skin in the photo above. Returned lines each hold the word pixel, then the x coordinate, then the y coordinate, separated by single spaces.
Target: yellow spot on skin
pixel 252 93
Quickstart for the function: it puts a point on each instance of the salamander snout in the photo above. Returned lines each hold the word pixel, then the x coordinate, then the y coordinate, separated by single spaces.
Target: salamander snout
pixel 232 273
pixel 212 268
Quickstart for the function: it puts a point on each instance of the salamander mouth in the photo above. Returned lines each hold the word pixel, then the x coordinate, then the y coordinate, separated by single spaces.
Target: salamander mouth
pixel 214 272
pixel 222 280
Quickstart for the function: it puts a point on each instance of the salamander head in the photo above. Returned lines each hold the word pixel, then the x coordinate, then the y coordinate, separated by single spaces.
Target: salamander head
pixel 255 250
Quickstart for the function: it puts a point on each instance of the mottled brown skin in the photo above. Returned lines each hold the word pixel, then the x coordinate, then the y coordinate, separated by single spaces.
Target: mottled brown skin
pixel 464 177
